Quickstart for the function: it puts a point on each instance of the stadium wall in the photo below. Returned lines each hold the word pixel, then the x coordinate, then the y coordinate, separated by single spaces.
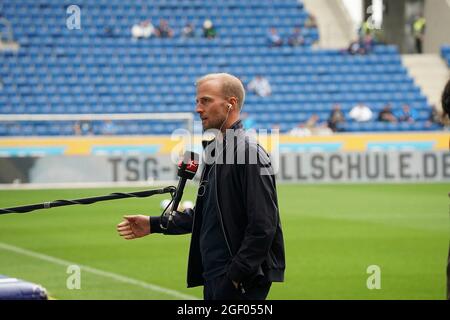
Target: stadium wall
pixel 437 14
pixel 356 158
pixel 307 167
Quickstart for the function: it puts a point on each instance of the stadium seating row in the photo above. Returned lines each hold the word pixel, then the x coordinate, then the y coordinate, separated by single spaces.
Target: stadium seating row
pixel 137 128
pixel 147 89
pixel 168 99
pixel 64 46
pixel 50 80
pixel 96 56
pixel 95 128
pixel 56 107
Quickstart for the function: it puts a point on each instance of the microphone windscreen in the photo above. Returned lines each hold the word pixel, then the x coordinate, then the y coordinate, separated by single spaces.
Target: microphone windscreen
pixel 187 168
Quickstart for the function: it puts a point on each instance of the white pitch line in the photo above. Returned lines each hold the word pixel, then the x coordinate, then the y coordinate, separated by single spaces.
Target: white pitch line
pixel 99 272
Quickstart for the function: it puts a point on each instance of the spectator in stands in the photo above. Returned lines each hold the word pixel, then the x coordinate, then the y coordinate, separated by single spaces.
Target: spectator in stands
pixel 355 47
pixel 144 29
pixel 311 127
pixel 336 117
pixel 361 113
pixel 296 38
pixel 386 115
pixel 77 128
pixel 316 127
pixel 209 31
pixel 86 128
pixel 419 32
pixel 188 31
pixel 312 122
pixel 311 22
pixel 300 131
pixel 108 128
pixel 82 128
pixel 164 30
pixel 362 45
pixel 367 43
pixel 406 114
pixel 366 28
pixel 260 85
pixel 437 117
pixel 274 38
pixel 322 129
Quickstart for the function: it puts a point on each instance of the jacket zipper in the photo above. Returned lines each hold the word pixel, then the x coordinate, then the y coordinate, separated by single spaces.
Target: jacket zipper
pixel 220 213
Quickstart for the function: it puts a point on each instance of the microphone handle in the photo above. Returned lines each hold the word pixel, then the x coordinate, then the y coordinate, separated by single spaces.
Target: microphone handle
pixel 178 194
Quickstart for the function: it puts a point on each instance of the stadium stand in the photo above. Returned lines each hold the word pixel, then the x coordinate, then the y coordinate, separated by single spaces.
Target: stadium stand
pixel 102 69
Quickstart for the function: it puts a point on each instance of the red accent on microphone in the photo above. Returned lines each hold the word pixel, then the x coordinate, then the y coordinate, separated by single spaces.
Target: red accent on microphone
pixel 188 166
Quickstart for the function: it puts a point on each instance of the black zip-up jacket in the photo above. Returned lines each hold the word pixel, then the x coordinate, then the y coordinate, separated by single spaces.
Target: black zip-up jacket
pixel 248 213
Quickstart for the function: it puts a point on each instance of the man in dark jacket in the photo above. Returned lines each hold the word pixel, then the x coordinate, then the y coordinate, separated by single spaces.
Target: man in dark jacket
pixel 237 246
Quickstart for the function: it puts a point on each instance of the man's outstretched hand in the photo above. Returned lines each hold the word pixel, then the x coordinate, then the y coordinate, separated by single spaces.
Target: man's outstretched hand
pixel 134 227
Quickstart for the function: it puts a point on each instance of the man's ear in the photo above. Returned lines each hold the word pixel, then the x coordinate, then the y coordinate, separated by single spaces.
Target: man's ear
pixel 232 103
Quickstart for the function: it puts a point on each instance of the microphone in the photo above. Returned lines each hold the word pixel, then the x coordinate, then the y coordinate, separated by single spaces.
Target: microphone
pixel 186 170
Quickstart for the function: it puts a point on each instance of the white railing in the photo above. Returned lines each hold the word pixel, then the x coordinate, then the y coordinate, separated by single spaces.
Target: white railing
pixel 184 116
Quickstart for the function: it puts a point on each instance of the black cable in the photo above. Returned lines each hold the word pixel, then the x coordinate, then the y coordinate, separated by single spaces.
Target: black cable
pixel 112 196
pixel 164 214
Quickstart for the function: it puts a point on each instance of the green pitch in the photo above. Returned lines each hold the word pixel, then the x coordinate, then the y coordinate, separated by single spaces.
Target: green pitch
pixel 333 233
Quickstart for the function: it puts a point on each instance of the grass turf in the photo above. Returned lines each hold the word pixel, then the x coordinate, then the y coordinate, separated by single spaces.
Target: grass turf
pixel 332 234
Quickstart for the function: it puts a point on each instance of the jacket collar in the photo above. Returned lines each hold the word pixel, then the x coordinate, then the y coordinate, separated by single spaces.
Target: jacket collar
pixel 235 126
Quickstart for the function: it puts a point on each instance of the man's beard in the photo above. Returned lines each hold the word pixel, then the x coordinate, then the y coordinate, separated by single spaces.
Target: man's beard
pixel 214 125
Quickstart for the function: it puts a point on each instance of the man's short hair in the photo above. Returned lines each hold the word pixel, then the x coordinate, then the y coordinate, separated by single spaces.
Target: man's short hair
pixel 231 86
pixel 446 99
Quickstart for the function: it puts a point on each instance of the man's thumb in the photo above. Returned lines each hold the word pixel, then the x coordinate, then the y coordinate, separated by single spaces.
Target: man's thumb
pixel 130 218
